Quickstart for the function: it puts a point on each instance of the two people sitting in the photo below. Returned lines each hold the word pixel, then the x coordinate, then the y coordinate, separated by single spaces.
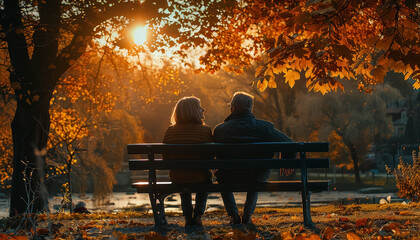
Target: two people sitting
pixel 239 127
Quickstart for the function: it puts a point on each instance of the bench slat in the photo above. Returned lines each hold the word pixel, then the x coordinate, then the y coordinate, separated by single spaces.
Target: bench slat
pixel 144 164
pixel 271 186
pixel 158 148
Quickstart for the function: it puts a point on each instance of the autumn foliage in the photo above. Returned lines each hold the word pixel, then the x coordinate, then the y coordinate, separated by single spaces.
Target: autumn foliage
pixel 408 178
pixel 327 41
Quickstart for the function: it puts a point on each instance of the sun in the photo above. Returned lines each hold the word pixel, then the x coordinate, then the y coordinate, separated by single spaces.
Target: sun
pixel 140 35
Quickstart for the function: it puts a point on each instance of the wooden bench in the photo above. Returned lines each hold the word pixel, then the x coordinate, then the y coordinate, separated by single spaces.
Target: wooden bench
pixel 159 190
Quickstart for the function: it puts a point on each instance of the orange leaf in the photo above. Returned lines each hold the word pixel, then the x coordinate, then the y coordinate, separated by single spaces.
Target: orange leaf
pixel 353 236
pixel 405 213
pixel 361 222
pixel 391 227
pixel 286 236
pixel 300 237
pixel 272 83
pixel 11 237
pixel 314 237
pixel 154 236
pixel 328 233
pixel 344 219
pixel 265 217
pixel 262 85
pixel 301 229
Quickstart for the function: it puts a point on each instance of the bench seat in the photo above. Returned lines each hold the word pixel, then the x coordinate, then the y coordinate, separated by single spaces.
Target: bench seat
pixel 271 186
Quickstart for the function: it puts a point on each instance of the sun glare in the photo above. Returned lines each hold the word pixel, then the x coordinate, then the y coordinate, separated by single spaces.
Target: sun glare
pixel 140 35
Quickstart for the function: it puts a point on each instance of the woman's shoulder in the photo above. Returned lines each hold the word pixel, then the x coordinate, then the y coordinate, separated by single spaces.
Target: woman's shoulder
pixel 189 126
pixel 188 133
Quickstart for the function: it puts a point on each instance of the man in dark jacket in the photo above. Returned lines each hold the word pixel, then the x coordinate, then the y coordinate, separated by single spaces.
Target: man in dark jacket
pixel 242 127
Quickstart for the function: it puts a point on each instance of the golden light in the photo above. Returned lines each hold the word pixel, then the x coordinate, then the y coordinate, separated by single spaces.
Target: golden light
pixel 140 35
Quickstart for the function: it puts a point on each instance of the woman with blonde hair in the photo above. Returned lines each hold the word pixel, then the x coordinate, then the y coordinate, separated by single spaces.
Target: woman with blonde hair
pixel 188 127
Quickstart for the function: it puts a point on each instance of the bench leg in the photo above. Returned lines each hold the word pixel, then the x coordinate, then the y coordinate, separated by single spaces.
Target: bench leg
pixel 158 206
pixel 306 201
pixel 306 195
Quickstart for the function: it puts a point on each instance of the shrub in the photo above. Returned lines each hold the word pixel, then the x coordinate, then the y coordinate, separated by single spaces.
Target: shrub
pixel 408 178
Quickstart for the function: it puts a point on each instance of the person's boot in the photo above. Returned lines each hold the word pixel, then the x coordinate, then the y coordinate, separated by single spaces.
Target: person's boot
pixel 197 220
pixel 235 219
pixel 246 219
pixel 189 221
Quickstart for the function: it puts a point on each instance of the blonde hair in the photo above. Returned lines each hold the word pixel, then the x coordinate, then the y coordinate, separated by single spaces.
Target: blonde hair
pixel 242 102
pixel 187 109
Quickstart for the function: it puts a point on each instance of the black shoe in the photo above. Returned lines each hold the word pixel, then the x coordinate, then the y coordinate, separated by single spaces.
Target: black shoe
pixel 189 221
pixel 235 220
pixel 197 220
pixel 246 219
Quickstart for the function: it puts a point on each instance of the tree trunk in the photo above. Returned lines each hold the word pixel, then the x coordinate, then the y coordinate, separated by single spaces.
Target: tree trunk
pixel 353 153
pixel 33 81
pixel 30 128
pixel 69 182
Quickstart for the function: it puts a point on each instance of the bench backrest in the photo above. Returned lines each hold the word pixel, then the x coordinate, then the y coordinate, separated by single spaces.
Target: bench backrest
pixel 153 149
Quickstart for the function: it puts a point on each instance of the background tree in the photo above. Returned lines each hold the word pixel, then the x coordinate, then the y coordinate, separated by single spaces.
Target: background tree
pixel 358 119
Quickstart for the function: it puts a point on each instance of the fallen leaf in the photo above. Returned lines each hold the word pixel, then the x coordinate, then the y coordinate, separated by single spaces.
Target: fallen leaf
pixel 250 236
pixel 265 217
pixel 352 236
pixel 361 222
pixel 301 229
pixel 314 237
pixel 347 226
pixel 122 236
pixel 42 231
pixel 11 237
pixel 286 236
pixel 391 227
pixel 86 226
pixel 154 236
pixel 405 213
pixel 300 237
pixel 328 233
pixel 343 219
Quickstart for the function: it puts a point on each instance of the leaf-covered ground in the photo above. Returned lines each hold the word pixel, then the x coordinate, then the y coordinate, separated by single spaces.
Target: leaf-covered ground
pixel 353 222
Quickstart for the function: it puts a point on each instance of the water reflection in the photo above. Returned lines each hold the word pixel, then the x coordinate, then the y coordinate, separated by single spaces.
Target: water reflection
pixel 118 200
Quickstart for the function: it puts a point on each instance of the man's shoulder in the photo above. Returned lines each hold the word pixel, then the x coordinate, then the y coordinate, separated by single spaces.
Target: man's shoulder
pixel 219 126
pixel 264 123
